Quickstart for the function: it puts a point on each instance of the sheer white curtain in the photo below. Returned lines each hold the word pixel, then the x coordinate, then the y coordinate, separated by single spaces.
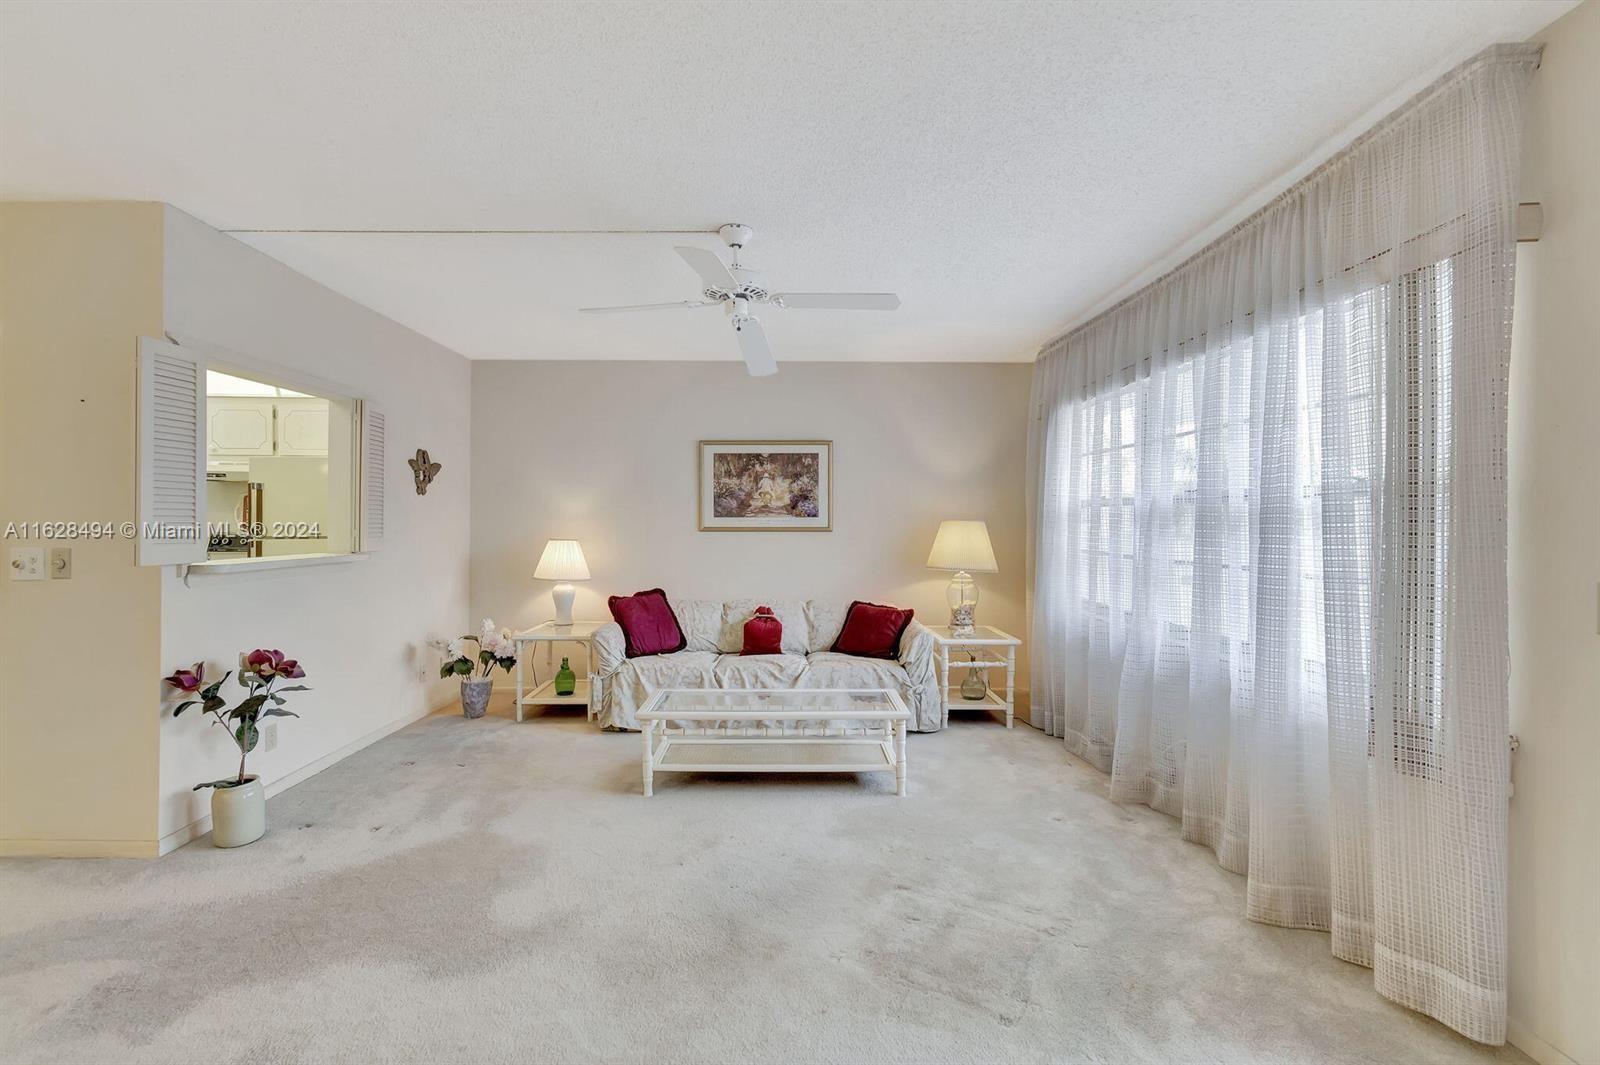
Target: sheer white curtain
pixel 1268 504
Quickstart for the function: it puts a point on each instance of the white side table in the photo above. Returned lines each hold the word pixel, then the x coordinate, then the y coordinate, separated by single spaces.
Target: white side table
pixel 550 634
pixel 991 649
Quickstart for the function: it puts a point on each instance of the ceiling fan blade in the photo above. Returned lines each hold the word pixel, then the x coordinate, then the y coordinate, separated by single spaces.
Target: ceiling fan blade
pixel 753 345
pixel 709 267
pixel 839 301
pixel 648 307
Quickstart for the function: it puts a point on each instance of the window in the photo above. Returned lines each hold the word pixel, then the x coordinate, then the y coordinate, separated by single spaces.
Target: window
pixel 1184 522
pixel 237 467
pixel 279 470
pixel 1419 531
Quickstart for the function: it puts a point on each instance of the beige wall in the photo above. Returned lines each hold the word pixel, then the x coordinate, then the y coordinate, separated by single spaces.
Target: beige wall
pixel 78 726
pixel 1555 562
pixel 89 764
pixel 360 628
pixel 605 452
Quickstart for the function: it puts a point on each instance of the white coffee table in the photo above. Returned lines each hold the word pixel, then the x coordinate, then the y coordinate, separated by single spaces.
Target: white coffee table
pixel 793 730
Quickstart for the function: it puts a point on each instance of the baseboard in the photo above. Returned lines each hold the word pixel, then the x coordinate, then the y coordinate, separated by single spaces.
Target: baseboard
pixel 195 829
pixel 1537 1049
pixel 77 848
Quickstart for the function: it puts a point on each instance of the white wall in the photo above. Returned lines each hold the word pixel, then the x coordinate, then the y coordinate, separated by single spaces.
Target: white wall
pixel 1555 562
pixel 605 452
pixel 359 628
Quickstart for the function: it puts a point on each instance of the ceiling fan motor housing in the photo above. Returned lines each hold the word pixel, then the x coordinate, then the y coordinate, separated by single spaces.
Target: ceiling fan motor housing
pixel 735 235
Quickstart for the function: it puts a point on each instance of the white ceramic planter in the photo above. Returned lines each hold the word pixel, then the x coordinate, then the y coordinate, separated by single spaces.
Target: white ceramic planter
pixel 239 815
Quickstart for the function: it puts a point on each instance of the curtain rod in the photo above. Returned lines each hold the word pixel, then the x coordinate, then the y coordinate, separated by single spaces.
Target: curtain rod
pixel 1494 53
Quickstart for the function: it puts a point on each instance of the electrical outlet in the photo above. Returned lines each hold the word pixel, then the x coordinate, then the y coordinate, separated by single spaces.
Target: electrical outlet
pixel 61 563
pixel 27 563
pixel 269 736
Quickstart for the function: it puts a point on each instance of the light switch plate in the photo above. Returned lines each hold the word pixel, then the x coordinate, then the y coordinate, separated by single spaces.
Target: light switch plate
pixel 27 563
pixel 61 563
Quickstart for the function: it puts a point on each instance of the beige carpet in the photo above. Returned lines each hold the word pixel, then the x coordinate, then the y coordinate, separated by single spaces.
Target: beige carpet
pixel 484 891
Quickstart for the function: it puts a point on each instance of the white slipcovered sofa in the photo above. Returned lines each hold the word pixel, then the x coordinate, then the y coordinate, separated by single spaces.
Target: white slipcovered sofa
pixel 715 634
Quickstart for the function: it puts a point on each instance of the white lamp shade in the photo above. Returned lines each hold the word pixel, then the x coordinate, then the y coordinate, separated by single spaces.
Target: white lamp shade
pixel 963 545
pixel 562 561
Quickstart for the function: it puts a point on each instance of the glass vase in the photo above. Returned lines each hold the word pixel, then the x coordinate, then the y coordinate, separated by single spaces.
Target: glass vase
pixel 976 684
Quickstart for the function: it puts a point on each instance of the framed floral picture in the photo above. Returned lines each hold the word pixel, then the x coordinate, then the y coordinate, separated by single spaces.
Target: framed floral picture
pixel 766 485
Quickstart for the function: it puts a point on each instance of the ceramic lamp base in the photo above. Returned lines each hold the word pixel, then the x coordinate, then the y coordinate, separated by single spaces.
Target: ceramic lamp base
pixel 564 594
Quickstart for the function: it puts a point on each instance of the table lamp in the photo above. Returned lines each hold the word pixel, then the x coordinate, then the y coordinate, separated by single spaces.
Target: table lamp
pixel 962 546
pixel 562 562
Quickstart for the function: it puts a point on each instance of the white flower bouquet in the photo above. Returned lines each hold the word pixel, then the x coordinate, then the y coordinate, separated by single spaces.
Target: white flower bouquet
pixel 494 647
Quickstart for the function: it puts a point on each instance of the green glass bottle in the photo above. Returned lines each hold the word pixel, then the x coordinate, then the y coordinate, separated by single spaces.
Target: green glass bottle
pixel 566 681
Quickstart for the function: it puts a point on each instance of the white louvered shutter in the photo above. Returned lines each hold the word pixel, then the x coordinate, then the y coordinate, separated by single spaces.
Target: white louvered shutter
pixel 172 456
pixel 373 482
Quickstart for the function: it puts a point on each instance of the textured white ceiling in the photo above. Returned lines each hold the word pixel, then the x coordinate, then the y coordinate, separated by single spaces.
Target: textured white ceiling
pixel 1002 166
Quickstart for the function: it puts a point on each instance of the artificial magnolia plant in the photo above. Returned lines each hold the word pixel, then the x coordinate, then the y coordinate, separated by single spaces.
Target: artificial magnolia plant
pixel 494 649
pixel 260 671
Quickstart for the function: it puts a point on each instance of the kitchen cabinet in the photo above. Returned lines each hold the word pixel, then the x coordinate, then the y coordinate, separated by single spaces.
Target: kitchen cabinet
pixel 302 427
pixel 239 426
pixel 250 426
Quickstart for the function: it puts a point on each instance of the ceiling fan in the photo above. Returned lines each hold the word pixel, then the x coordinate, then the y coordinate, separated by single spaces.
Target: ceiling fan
pixel 738 289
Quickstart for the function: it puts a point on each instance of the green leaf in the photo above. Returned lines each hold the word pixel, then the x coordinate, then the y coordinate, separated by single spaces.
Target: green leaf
pixel 248 736
pixel 228 783
pixel 446 669
pixel 210 690
pixel 463 667
pixel 278 712
pixel 249 707
pixel 294 688
pixel 215 703
pixel 181 707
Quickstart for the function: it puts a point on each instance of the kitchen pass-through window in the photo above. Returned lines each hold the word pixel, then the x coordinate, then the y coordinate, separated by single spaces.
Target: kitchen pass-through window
pixel 278 470
pixel 236 466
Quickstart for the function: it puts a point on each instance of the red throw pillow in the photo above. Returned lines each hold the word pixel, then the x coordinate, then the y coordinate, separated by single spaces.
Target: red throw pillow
pixel 649 627
pixel 763 633
pixel 872 631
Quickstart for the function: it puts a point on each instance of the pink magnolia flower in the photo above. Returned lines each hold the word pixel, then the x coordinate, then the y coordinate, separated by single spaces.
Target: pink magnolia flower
pixel 267 664
pixel 188 681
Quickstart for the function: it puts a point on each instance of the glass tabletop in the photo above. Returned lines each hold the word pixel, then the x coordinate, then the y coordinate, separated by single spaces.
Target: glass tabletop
pixel 865 704
pixel 980 634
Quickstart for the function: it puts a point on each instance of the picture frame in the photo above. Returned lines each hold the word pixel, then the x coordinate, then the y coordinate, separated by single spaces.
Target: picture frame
pixel 765 486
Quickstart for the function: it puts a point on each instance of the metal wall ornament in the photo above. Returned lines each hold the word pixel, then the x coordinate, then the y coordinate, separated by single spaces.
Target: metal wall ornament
pixel 424 470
